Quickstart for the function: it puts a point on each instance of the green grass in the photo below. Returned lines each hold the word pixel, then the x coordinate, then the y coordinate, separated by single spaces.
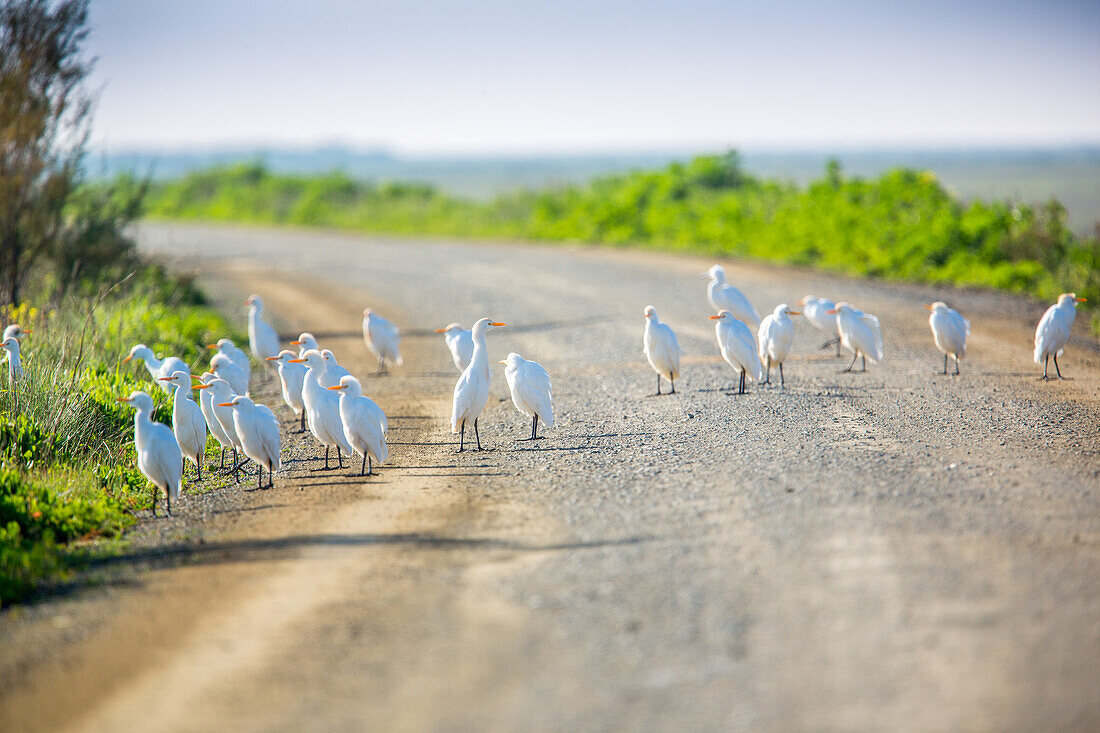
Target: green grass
pixel 902 225
pixel 67 465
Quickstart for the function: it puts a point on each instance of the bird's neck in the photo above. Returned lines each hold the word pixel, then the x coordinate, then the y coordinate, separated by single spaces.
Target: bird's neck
pixel 152 361
pixel 480 360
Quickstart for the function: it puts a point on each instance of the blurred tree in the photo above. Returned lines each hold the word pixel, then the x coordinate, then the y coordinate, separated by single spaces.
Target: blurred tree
pixel 45 115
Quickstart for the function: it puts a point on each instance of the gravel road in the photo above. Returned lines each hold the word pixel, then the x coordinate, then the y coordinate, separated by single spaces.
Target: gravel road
pixel 894 550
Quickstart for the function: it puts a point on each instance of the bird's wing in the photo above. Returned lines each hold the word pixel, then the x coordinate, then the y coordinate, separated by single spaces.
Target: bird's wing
pixel 162 457
pixel 871 336
pixel 463 398
pixel 741 345
pixel 268 432
pixel 533 386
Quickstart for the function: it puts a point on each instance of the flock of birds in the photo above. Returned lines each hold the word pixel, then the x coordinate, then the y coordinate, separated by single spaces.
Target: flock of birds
pixel 329 402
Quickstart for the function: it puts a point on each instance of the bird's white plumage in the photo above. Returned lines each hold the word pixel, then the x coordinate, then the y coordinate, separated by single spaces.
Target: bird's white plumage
pixel 859 332
pixel 529 384
pixel 816 311
pixel 156 367
pixel 158 453
pixel 305 342
pixel 259 432
pixel 472 389
pixel 188 421
pixel 262 338
pixel 660 346
pixel 737 345
pixel 236 355
pixel 333 370
pixel 206 404
pixel 949 330
pixel 460 342
pixel 221 392
pixel 364 422
pixel 322 406
pixel 1052 333
pixel 12 356
pixel 382 338
pixel 292 377
pixel 775 336
pixel 723 296
pixel 224 367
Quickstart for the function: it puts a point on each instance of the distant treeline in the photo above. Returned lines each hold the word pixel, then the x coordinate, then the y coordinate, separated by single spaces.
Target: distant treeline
pixel 902 225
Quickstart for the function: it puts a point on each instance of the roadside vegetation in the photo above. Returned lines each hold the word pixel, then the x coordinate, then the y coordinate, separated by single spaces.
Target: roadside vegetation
pixel 902 225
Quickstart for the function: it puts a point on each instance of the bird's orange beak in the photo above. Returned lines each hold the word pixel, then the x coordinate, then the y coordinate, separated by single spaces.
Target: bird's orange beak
pixel 226 404
pixel 272 358
pixel 928 306
pixel 295 343
pixel 164 379
pixel 127 359
pixel 201 386
pixel 1078 300
pixel 715 318
pixel 28 330
pixel 498 324
pixel 502 362
pixel 211 346
pixel 441 330
pixel 802 302
pixel 123 399
pixel 295 361
pixel 831 311
pixel 795 313
pixel 339 386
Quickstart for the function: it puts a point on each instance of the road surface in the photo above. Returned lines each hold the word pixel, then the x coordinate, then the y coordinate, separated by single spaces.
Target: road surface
pixel 894 550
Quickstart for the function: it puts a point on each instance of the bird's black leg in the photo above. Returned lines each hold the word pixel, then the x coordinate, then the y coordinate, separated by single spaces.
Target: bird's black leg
pixel 339 458
pixel 221 463
pixel 945 363
pixel 1046 365
pixel 236 466
pixel 535 427
pixel 741 383
pixel 658 385
pixel 259 475
pixel 768 373
pixel 156 494
pixel 462 437
pixel 838 347
pixel 1056 367
pixel 198 468
pixel 956 366
pixel 781 383
pixel 477 435
pixel 854 357
pixel 363 470
pixel 864 362
pixel 672 382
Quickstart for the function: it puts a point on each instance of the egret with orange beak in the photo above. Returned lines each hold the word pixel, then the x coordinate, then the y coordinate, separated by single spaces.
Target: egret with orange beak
pixel 738 347
pixel 157 368
pixel 472 389
pixel 158 453
pixel 364 423
pixel 661 348
pixel 950 331
pixel 774 340
pixel 259 434
pixel 262 338
pixel 1052 333
pixel 188 423
pixel 860 333
pixel 322 408
pixel 460 342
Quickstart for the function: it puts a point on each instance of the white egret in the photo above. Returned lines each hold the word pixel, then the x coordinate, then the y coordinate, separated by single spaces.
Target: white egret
pixel 365 423
pixel 157 367
pixel 11 355
pixel 15 331
pixel 774 340
pixel 472 389
pixel 950 332
pixel 305 342
pixel 460 342
pixel 224 367
pixel 723 296
pixel 322 408
pixel 259 433
pixel 213 424
pixel 738 347
pixel 532 395
pixel 859 332
pixel 158 453
pixel 1052 333
pixel 292 377
pixel 262 338
pixel 382 339
pixel 333 370
pixel 188 422
pixel 220 393
pixel 817 313
pixel 661 348
pixel 235 354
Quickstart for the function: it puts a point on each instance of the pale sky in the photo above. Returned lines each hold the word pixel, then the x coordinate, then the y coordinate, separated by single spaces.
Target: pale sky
pixel 517 76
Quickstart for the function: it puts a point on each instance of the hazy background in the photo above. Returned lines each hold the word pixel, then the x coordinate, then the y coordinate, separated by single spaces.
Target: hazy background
pixel 1000 98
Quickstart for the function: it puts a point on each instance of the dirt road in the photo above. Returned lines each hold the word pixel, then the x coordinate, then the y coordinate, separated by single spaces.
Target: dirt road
pixel 891 550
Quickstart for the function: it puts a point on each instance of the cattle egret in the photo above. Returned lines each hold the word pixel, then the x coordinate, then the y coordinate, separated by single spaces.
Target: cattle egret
pixel 472 389
pixel 774 340
pixel 292 377
pixel 333 370
pixel 158 453
pixel 859 332
pixel 11 355
pixel 738 347
pixel 220 393
pixel 259 433
pixel 322 408
pixel 661 348
pixel 950 332
pixel 262 338
pixel 460 342
pixel 188 422
pixel 236 355
pixel 304 343
pixel 364 423
pixel 206 403
pixel 1052 333
pixel 224 367
pixel 157 368
pixel 723 296
pixel 15 331
pixel 382 339
pixel 529 384
pixel 817 313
